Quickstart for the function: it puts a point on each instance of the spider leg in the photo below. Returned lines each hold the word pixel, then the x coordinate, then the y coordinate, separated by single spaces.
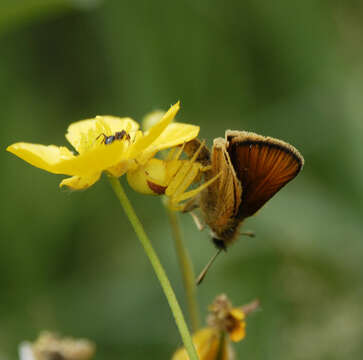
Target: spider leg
pixel 187 180
pixel 179 194
pixel 185 175
pixel 170 154
pixel 178 179
pixel 191 205
pixel 194 192
pixel 176 151
pixel 206 168
pixel 174 164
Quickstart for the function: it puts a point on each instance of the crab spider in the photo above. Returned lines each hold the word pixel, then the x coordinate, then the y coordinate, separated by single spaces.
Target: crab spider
pixel 171 177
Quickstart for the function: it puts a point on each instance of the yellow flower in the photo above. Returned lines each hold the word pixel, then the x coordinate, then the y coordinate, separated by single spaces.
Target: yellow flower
pixel 209 344
pixel 225 323
pixel 237 330
pixel 105 143
pixel 227 319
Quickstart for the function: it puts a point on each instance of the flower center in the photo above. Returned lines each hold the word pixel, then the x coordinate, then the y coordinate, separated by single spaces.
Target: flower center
pixel 99 135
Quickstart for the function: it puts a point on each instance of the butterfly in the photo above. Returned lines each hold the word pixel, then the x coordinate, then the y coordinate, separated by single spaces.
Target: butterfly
pixel 252 168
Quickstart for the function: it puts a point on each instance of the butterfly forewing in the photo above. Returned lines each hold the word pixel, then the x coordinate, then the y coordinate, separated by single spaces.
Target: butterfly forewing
pixel 221 200
pixel 263 165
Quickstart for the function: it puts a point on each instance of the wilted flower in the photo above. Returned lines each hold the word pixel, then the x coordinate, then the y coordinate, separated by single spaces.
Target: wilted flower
pixel 225 323
pixel 50 346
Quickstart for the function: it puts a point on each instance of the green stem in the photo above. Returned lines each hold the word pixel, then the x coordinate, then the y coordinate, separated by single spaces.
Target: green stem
pixel 222 346
pixel 186 268
pixel 159 271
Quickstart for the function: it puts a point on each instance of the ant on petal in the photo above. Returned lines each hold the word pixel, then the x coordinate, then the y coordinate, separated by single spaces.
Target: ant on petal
pixel 119 135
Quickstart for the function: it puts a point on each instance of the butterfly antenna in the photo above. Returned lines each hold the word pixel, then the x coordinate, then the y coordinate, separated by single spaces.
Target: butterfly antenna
pixel 206 268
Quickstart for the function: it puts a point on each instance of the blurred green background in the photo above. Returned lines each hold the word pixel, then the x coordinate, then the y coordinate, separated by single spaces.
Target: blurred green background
pixel 70 262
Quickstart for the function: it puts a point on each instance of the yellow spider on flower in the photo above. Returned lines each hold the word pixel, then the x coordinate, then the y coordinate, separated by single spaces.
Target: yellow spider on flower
pixel 170 176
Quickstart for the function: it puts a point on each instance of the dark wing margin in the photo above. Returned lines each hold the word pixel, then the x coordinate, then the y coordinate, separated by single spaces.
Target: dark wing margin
pixel 263 165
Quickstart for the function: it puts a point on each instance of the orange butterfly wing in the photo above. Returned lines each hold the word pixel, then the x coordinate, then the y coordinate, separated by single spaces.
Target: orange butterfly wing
pixel 263 165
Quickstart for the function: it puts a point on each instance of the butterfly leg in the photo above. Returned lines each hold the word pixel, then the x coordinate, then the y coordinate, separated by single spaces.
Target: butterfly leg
pixel 191 205
pixel 197 221
pixel 248 233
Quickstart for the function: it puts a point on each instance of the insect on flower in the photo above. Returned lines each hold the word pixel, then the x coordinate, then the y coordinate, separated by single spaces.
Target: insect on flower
pixel 91 158
pixel 171 176
pixel 119 135
pixel 252 169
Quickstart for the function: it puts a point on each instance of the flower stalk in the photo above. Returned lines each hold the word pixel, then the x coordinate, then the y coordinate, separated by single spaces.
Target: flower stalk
pixel 186 269
pixel 222 346
pixel 159 270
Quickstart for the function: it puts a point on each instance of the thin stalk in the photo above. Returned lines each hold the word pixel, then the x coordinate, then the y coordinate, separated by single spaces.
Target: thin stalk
pixel 186 269
pixel 159 270
pixel 222 346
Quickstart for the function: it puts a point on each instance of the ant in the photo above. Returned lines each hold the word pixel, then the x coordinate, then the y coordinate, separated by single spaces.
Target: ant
pixel 119 135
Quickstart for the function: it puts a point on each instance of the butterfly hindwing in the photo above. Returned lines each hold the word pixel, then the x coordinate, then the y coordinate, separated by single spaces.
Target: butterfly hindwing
pixel 263 165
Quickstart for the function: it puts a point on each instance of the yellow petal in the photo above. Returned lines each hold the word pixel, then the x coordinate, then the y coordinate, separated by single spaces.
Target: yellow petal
pixel 97 159
pixel 207 345
pixel 59 160
pixel 239 332
pixel 175 134
pixel 44 157
pixel 237 313
pixel 152 118
pixel 138 146
pixel 206 342
pixel 80 183
pixel 122 167
pixel 90 128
